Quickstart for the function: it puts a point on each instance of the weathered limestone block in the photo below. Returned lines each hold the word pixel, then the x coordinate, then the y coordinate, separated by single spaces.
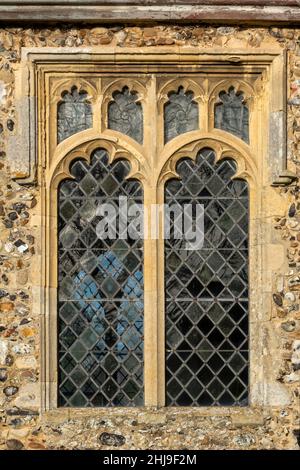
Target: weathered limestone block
pixel 3 351
pixel 28 396
pixel 26 362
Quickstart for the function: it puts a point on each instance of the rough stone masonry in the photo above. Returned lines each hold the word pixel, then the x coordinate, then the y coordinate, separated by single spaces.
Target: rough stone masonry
pixel 21 424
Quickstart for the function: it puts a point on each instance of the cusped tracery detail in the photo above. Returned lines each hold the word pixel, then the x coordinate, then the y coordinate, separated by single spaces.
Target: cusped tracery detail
pixel 180 114
pixel 74 113
pixel 125 114
pixel 232 114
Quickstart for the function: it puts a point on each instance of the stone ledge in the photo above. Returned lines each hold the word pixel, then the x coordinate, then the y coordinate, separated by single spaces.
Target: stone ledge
pixel 231 11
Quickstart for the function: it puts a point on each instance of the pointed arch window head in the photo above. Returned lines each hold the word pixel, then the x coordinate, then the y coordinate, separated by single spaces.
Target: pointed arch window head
pixel 232 114
pixel 125 114
pixel 74 113
pixel 181 114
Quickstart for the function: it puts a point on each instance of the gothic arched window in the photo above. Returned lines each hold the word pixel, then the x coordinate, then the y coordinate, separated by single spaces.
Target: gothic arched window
pixel 206 289
pixel 144 316
pixel 100 294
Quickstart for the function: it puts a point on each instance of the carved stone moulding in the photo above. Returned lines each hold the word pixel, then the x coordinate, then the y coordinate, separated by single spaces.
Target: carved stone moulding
pixel 267 66
pixel 46 79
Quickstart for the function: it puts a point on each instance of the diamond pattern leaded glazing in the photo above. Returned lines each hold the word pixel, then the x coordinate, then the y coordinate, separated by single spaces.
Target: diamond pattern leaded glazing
pixel 100 295
pixel 207 290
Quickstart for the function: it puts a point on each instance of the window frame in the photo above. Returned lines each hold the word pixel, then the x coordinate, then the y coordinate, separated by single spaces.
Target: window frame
pixel 260 164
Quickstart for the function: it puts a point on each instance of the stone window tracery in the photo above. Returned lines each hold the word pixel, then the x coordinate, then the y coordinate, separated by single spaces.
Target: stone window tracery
pixel 152 138
pixel 125 114
pixel 74 114
pixel 180 114
pixel 100 283
pixel 232 114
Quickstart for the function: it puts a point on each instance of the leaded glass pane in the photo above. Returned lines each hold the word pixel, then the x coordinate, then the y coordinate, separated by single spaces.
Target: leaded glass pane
pixel 74 114
pixel 206 290
pixel 100 293
pixel 232 114
pixel 180 114
pixel 125 114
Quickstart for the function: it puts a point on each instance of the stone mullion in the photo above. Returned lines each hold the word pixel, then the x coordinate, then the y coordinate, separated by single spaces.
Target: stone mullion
pixel 204 112
pixel 161 304
pixel 153 268
pixel 151 304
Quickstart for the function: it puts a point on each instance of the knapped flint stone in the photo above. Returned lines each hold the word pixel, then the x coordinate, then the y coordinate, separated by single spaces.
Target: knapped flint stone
pixel 10 390
pixel 109 439
pixel 16 422
pixel 15 411
pixel 292 210
pixel 277 299
pixel 296 355
pixel 30 239
pixel 19 207
pixel 3 293
pixel 10 125
pixel 9 360
pixel 288 326
pixel 23 294
pixel 8 223
pixel 19 242
pixel 297 435
pixel 3 375
pixel 14 444
pixel 13 215
pixel 244 440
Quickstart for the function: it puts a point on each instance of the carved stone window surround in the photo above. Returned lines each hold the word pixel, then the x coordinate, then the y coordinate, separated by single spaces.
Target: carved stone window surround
pixel 262 79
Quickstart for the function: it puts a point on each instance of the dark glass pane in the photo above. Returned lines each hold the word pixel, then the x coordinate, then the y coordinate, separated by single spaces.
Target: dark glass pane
pixel 100 292
pixel 206 290
pixel 125 114
pixel 74 114
pixel 180 114
pixel 232 114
